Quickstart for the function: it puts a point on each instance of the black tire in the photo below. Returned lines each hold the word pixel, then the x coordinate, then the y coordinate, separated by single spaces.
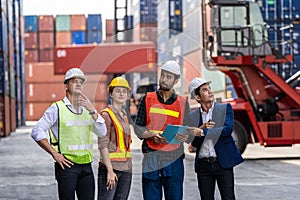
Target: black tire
pixel 240 136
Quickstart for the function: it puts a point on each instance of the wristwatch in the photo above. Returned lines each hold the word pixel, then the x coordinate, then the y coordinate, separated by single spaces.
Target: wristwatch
pixel 93 112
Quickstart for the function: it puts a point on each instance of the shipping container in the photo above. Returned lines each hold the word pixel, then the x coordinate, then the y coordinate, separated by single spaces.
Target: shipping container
pixel 94 37
pixel 46 55
pixel 78 37
pixel 4 75
pixel 94 22
pixel 35 92
pixel 63 38
pixel 120 58
pixel 13 117
pixel 78 22
pixel 35 110
pixel 109 27
pixel 31 23
pixel 62 23
pixel 43 72
pixel 31 40
pixel 46 40
pixel 3 34
pixel 46 23
pixel 32 55
pixel 12 76
pixel 5 124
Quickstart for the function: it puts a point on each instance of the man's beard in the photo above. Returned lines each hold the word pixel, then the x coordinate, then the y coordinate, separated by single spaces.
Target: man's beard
pixel 164 89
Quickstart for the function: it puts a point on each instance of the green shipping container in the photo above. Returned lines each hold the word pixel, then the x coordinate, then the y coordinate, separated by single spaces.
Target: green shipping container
pixel 62 23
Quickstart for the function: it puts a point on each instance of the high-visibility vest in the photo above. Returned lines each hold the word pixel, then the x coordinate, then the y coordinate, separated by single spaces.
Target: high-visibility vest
pixel 122 153
pixel 74 135
pixel 159 115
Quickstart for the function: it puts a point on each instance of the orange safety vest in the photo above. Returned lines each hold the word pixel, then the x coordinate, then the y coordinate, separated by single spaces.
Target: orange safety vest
pixel 159 115
pixel 122 153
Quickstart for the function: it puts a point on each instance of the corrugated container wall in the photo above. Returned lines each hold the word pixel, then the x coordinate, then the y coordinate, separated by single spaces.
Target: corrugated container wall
pixel 52 32
pixel 12 64
pixel 283 19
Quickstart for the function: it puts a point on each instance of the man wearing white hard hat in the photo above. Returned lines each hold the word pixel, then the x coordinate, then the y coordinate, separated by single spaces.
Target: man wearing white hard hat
pixel 216 152
pixel 163 168
pixel 70 123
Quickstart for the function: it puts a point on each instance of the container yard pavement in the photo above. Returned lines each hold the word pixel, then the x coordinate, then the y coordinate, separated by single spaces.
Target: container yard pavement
pixel 26 171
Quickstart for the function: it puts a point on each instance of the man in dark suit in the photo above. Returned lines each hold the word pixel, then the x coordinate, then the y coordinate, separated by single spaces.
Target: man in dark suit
pixel 216 152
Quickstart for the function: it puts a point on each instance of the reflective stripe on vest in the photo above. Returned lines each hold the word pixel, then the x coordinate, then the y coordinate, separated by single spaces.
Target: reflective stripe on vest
pixel 122 153
pixel 74 135
pixel 164 112
pixel 159 115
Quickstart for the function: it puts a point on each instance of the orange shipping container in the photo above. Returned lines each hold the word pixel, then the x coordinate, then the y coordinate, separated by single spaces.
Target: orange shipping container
pixel 31 40
pixel 46 40
pixel 31 55
pixel 109 25
pixel 46 23
pixel 46 55
pixel 63 38
pixel 78 23
pixel 4 115
pixel 43 92
pixel 43 72
pixel 34 111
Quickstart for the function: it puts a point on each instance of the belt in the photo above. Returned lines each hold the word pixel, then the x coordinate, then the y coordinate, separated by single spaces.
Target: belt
pixel 209 159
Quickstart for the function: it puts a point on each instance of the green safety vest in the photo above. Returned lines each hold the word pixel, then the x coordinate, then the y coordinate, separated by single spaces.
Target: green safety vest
pixel 74 135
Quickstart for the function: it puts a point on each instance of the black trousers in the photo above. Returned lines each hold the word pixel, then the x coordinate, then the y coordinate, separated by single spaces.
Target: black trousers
pixel 121 189
pixel 79 178
pixel 208 173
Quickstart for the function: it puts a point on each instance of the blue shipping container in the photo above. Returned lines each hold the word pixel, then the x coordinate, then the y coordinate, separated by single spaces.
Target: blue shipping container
pixel 3 34
pixel 4 75
pixel 94 37
pixel 78 37
pixel 31 23
pixel 94 22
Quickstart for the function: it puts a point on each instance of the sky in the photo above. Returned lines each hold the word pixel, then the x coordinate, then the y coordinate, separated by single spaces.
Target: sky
pixel 55 7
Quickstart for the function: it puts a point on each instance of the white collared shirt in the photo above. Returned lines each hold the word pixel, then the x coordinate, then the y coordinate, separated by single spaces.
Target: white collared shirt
pixel 207 148
pixel 50 121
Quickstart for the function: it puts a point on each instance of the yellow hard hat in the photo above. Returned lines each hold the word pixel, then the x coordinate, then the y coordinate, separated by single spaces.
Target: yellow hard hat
pixel 119 82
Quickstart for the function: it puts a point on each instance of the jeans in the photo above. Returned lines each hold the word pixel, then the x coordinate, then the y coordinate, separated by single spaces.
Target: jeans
pixel 121 189
pixel 208 173
pixel 170 180
pixel 79 178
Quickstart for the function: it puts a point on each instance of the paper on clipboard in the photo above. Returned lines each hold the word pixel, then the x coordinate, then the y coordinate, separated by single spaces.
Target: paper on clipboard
pixel 170 132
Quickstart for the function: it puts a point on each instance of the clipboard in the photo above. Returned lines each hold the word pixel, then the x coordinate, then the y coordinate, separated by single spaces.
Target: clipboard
pixel 171 131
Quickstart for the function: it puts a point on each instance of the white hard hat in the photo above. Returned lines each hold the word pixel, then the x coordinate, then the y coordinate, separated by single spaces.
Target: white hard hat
pixel 74 73
pixel 195 83
pixel 171 66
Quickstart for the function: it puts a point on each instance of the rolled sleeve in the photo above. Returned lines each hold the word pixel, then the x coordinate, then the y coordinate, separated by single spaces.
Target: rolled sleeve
pixel 140 121
pixel 100 127
pixel 49 118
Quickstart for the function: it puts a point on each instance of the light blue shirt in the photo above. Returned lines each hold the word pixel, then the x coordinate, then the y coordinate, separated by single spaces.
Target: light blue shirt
pixel 50 121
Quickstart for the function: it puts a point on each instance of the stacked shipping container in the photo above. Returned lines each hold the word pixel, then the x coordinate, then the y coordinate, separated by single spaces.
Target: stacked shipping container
pixel 283 19
pixel 43 34
pixel 12 79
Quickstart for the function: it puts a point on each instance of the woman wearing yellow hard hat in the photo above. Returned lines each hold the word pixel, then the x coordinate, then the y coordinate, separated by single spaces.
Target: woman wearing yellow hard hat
pixel 115 166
